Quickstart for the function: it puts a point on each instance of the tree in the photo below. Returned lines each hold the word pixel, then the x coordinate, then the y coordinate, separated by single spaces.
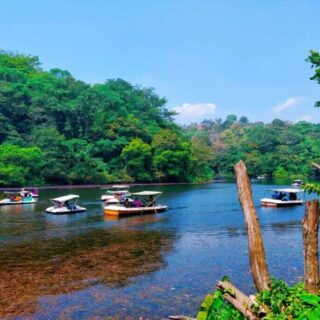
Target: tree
pixel 314 59
pixel 137 159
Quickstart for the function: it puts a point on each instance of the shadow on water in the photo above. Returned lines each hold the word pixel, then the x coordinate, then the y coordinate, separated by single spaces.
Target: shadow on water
pixel 110 257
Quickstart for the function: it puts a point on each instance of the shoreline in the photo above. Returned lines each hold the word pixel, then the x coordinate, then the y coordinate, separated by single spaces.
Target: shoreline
pixel 91 186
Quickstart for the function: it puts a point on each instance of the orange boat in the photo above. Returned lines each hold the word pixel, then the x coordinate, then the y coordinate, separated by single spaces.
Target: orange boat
pixel 137 206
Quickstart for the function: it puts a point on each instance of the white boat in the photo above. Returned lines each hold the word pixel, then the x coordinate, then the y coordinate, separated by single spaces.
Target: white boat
pixel 65 204
pixel 282 198
pixel 261 177
pixel 33 191
pixel 15 198
pixel 297 183
pixel 115 194
pixel 144 203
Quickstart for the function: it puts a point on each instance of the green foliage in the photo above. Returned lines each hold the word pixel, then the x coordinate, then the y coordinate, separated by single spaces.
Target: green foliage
pixel 214 307
pixel 281 302
pixel 312 187
pixel 108 132
pixel 314 59
pixel 137 157
pixel 280 172
pixel 279 149
pixel 286 302
pixel 19 166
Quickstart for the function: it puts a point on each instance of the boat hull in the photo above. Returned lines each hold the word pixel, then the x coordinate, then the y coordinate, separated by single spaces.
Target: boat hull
pixel 10 203
pixel 272 203
pixel 123 211
pixel 63 210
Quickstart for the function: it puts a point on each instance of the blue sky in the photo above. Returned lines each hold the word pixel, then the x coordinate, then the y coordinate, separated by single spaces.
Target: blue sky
pixel 208 58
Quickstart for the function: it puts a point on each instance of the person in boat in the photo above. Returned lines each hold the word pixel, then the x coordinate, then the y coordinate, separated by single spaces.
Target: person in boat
pixel 126 203
pixel 292 196
pixel 28 197
pixel 137 203
pixel 151 201
pixel 17 198
pixel 276 195
pixel 69 206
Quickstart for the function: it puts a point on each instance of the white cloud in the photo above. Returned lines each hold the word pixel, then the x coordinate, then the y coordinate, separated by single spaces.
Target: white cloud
pixel 306 117
pixel 290 102
pixel 188 112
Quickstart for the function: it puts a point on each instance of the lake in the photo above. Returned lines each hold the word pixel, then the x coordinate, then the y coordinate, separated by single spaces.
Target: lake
pixel 89 266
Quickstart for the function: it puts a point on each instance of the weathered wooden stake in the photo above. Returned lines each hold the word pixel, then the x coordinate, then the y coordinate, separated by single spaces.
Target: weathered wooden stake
pixel 310 224
pixel 316 165
pixel 258 264
pixel 238 299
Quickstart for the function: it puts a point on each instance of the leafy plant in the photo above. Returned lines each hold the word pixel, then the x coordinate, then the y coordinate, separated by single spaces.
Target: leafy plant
pixel 282 302
pixel 214 307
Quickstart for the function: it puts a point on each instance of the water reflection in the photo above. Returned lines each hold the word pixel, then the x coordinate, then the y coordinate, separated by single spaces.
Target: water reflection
pixel 111 257
pixel 18 208
pixel 90 266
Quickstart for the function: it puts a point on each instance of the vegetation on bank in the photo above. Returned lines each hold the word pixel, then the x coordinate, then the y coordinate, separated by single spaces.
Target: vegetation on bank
pixel 282 302
pixel 279 149
pixel 55 129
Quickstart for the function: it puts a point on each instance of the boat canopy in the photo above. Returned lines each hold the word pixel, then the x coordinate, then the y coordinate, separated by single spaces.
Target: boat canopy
pixel 147 193
pixel 66 198
pixel 287 190
pixel 117 186
pixel 12 192
pixel 120 186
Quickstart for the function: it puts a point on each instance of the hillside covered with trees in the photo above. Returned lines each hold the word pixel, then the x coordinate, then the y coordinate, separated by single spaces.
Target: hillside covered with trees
pixel 279 149
pixel 55 129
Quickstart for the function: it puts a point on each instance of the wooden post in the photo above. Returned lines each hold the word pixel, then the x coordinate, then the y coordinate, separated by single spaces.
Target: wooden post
pixel 310 224
pixel 316 165
pixel 258 264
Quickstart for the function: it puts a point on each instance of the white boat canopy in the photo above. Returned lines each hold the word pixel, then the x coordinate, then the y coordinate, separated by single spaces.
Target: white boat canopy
pixel 147 193
pixel 117 186
pixel 287 190
pixel 120 186
pixel 12 192
pixel 66 198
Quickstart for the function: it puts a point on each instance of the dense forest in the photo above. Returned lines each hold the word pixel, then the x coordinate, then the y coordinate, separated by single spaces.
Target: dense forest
pixel 279 149
pixel 55 129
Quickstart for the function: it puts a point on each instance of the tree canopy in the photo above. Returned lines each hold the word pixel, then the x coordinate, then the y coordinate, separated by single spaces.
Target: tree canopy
pixel 55 129
pixel 63 130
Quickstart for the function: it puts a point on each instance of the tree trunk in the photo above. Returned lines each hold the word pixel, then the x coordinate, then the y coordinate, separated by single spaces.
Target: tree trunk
pixel 310 224
pixel 316 165
pixel 258 264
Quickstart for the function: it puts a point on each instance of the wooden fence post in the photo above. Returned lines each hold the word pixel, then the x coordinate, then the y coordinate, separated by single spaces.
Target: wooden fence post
pixel 258 264
pixel 310 224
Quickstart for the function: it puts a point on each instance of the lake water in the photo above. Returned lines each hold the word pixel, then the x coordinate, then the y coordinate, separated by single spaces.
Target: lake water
pixel 88 266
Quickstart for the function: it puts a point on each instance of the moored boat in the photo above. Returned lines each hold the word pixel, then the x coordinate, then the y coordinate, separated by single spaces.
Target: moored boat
pixel 33 191
pixel 282 198
pixel 66 204
pixel 144 203
pixel 115 194
pixel 297 183
pixel 15 198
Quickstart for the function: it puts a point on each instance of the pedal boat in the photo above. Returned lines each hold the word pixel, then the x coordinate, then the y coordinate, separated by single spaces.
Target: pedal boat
pixel 33 191
pixel 282 198
pixel 137 206
pixel 297 183
pixel 65 205
pixel 15 198
pixel 115 193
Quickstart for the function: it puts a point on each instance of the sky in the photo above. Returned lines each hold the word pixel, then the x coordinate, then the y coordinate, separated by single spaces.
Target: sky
pixel 208 58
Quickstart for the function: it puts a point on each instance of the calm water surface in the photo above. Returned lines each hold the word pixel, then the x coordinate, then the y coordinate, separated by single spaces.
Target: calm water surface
pixel 88 266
